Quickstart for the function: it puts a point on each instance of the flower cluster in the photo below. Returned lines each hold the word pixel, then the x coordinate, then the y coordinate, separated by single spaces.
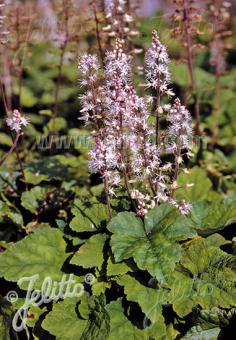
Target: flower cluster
pixel 157 72
pixel 179 131
pixel 16 121
pixel 3 32
pixel 188 15
pixel 124 151
pixel 119 21
pixel 219 16
pixel 89 66
pixel 91 100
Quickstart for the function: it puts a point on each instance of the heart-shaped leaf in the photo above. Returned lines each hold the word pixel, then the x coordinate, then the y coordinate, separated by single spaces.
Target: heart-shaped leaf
pixel 205 278
pixel 89 215
pixel 210 217
pixel 90 254
pixel 42 253
pixel 154 244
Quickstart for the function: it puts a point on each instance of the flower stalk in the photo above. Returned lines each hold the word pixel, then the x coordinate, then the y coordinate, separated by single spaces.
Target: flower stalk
pixel 188 16
pixel 63 46
pixel 218 13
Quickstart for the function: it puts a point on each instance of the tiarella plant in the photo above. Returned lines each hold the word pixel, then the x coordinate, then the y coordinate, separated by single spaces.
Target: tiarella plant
pixel 128 149
pixel 118 227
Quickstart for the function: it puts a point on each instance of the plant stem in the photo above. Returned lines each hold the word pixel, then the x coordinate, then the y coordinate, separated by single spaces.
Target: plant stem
pixel 58 85
pixel 146 165
pixel 15 149
pixel 124 164
pixel 61 62
pixel 158 104
pixel 98 37
pixel 7 76
pixel 21 54
pixel 216 111
pixel 189 44
pixel 105 181
pixel 106 186
pixel 177 169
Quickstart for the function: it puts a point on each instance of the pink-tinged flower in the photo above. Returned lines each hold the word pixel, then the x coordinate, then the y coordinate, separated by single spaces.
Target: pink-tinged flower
pixel 179 131
pixel 125 150
pixel 3 32
pixel 118 64
pixel 184 208
pixel 91 101
pixel 89 65
pixel 157 72
pixel 141 201
pixel 119 19
pixel 109 6
pixel 16 121
pixel 218 54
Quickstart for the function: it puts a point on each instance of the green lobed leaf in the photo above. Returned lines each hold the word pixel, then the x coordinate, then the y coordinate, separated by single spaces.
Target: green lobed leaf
pixel 6 312
pixel 5 139
pixel 153 244
pixel 28 99
pixel 30 199
pixel 197 333
pixel 216 240
pixel 210 217
pixel 214 317
pixel 171 333
pixel 90 254
pixel 114 269
pixel 150 300
pixel 63 321
pixel 59 167
pixel 57 125
pixel 34 178
pixel 205 278
pixel 98 321
pixel 5 328
pixel 42 253
pixel 7 210
pixel 89 215
pixel 201 185
pixel 34 314
pixel 120 326
pixel 99 288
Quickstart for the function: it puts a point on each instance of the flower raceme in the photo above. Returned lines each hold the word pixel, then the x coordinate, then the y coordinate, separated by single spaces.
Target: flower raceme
pixel 16 121
pixel 219 15
pixel 157 72
pixel 119 20
pixel 3 32
pixel 125 151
